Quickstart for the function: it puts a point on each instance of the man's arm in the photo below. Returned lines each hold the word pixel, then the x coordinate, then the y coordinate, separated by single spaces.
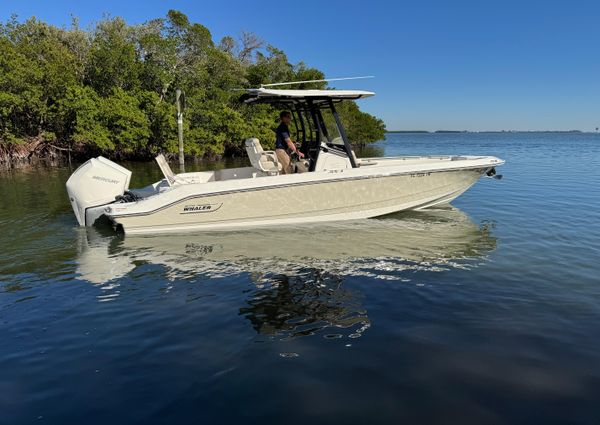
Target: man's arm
pixel 292 146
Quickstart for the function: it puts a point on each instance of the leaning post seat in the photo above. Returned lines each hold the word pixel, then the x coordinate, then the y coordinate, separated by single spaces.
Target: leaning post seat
pixel 265 161
pixel 170 176
pixel 166 170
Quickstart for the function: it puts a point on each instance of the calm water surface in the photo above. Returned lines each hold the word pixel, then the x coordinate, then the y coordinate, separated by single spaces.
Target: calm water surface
pixel 485 313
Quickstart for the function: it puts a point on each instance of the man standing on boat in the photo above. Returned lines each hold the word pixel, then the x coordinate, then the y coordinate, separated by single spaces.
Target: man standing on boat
pixel 284 143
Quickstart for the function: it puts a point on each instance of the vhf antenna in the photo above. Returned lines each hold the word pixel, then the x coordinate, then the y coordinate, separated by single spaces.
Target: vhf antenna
pixel 316 81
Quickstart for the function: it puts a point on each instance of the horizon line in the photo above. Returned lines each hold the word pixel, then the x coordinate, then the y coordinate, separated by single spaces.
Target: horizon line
pixel 494 131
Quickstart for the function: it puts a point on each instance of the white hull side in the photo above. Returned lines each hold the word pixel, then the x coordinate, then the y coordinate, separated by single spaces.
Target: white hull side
pixel 304 203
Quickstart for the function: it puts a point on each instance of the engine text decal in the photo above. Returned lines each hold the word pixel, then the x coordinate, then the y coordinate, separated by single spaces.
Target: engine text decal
pixel 106 180
pixel 200 208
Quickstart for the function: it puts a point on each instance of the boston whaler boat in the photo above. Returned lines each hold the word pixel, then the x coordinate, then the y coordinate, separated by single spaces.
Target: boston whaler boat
pixel 336 185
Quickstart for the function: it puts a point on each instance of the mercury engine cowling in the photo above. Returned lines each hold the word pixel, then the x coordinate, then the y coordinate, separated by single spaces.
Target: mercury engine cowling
pixel 95 183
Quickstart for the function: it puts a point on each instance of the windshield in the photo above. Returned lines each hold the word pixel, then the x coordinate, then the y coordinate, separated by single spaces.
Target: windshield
pixel 332 132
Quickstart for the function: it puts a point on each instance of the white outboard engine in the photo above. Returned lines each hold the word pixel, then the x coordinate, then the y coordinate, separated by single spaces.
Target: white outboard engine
pixel 94 184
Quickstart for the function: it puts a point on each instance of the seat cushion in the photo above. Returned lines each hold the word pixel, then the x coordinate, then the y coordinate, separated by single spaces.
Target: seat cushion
pixel 261 160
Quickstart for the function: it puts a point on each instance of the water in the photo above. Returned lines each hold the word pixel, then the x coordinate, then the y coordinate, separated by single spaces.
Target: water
pixel 488 313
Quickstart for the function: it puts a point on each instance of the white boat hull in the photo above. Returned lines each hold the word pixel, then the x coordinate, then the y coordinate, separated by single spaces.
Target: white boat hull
pixel 298 202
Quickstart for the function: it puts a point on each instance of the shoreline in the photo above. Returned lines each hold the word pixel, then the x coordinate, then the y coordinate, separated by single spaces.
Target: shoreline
pixel 37 152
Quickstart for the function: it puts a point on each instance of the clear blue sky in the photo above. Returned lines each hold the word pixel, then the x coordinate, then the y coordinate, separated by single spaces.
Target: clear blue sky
pixel 474 65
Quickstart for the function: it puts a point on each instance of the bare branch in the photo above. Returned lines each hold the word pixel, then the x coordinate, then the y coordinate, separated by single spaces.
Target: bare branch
pixel 249 43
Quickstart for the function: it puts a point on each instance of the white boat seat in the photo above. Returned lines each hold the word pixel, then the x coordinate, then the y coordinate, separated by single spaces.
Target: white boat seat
pixel 170 177
pixel 265 161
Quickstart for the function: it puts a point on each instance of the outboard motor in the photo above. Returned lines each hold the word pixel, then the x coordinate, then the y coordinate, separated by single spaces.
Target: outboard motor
pixel 94 184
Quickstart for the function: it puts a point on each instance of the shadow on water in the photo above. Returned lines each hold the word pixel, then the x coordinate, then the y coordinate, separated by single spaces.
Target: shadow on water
pixel 298 276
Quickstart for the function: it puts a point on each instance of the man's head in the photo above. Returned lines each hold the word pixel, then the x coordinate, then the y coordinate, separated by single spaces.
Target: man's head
pixel 285 117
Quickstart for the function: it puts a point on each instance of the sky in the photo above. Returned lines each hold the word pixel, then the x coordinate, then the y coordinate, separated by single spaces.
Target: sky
pixel 452 65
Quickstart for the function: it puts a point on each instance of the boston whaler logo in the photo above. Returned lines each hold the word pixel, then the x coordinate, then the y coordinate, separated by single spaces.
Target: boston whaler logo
pixel 200 208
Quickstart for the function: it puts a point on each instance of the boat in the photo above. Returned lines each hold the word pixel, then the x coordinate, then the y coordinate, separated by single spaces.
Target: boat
pixel 336 185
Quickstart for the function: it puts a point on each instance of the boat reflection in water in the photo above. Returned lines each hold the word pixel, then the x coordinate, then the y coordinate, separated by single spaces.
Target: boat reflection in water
pixel 297 273
pixel 306 303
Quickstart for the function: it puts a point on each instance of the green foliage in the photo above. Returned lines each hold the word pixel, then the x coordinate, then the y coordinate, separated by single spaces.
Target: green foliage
pixel 362 128
pixel 272 67
pixel 112 62
pixel 163 124
pixel 36 69
pixel 127 123
pixel 80 117
pixel 11 104
pixel 112 90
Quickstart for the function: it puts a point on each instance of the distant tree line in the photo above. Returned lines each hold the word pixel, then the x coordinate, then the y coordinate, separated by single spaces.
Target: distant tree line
pixel 111 90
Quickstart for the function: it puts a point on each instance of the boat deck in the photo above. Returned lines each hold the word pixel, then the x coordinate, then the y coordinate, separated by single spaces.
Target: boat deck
pixel 244 173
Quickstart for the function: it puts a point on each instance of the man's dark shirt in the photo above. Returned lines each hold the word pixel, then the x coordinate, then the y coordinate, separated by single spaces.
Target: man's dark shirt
pixel 282 133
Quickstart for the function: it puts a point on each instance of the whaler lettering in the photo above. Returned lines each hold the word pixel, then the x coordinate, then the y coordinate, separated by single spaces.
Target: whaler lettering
pixel 188 208
pixel 200 208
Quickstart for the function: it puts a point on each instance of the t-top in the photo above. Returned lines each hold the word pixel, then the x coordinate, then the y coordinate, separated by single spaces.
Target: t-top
pixel 282 133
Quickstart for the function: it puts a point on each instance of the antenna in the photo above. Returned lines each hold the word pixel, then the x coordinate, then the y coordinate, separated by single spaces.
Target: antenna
pixel 316 81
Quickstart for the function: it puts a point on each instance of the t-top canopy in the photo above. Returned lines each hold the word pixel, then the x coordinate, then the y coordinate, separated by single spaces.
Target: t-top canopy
pixel 277 95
